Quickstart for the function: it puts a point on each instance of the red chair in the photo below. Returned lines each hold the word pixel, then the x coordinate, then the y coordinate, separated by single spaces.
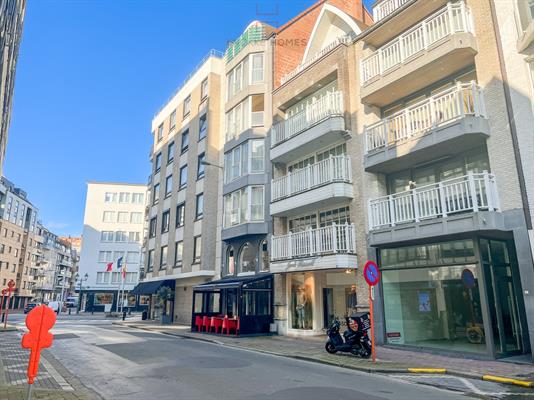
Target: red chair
pixel 216 323
pixel 198 323
pixel 229 324
pixel 206 322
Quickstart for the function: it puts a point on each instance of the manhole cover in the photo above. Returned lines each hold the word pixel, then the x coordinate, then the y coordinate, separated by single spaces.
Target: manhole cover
pixel 65 336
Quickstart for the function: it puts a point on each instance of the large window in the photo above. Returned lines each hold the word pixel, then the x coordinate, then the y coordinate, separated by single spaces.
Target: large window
pixel 138 198
pixel 155 194
pixel 103 298
pixel 172 120
pixel 157 163
pixel 239 210
pixel 110 197
pixel 180 215
pixel 249 156
pixel 165 219
pixel 178 254
pixel 163 258
pixel 256 68
pixel 108 216
pixel 257 109
pixel 301 305
pixel 238 119
pixel 106 236
pixel 203 127
pixel 204 89
pixel 150 260
pixel 170 152
pixel 247 258
pixel 197 248
pixel 187 106
pixel 152 227
pixel 168 186
pixel 124 197
pixel 234 80
pixel 160 133
pixel 183 177
pixel 122 217
pixel 200 166
pixel 185 141
pixel 136 218
pixel 200 206
pixel 105 256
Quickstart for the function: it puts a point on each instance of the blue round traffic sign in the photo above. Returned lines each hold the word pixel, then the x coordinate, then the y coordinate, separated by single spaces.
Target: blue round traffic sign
pixel 371 273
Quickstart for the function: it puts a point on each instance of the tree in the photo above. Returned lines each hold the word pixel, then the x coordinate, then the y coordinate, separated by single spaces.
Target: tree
pixel 163 295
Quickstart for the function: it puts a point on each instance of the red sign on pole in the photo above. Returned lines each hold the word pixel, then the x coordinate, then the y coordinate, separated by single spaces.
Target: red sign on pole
pixel 10 289
pixel 371 275
pixel 39 321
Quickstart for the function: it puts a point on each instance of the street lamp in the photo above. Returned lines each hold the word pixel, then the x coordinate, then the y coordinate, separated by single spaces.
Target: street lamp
pixel 81 280
pixel 204 162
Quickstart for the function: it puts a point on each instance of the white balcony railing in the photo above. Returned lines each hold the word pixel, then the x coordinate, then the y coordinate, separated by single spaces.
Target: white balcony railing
pixel 464 99
pixel 329 105
pixel 345 39
pixel 387 7
pixel 472 192
pixel 332 239
pixel 330 170
pixel 453 18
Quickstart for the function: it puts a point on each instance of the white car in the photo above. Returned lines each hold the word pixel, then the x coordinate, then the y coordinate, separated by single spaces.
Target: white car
pixel 55 305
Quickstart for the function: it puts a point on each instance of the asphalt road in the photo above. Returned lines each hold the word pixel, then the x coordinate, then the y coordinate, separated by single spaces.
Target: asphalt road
pixel 124 363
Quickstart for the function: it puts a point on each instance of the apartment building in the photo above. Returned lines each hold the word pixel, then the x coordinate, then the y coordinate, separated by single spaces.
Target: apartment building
pixel 317 205
pixel 75 244
pixel 112 230
pixel 11 25
pixel 183 233
pixel 246 223
pixel 445 204
pixel 17 225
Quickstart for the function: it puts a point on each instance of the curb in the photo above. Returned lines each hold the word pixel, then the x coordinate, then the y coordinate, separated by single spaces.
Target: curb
pixel 436 371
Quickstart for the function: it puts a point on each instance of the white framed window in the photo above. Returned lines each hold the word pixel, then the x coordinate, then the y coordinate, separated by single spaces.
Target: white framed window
pixel 150 260
pixel 117 255
pixel 134 237
pixel 105 256
pixel 121 236
pixel 115 277
pixel 136 218
pixel 244 205
pixel 132 257
pixel 203 127
pixel 106 236
pixel 234 80
pixel 110 197
pixel 124 197
pixel 122 217
pixel 238 119
pixel 168 186
pixel 257 105
pixel 138 198
pixel 256 68
pixel 197 248
pixel 256 203
pixel 108 216
pixel 248 156
pixel 187 106
pixel 102 277
pixel 160 133
pixel 178 253
pixel 131 277
pixel 172 120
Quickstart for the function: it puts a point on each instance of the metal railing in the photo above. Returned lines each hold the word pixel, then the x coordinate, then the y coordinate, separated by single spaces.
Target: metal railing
pixel 459 101
pixel 453 18
pixel 472 192
pixel 327 106
pixel 329 170
pixel 253 34
pixel 332 239
pixel 387 7
pixel 345 39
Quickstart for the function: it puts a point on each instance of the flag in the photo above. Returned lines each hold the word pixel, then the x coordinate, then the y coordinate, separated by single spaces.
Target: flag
pixel 124 271
pixel 109 267
pixel 119 263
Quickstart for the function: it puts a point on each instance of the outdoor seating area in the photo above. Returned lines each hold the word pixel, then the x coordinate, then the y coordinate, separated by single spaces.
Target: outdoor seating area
pixel 217 324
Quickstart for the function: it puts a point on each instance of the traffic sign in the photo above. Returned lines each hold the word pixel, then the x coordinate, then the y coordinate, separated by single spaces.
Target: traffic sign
pixel 371 273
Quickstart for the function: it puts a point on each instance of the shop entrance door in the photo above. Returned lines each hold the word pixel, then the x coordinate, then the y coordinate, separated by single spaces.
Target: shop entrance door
pixel 502 296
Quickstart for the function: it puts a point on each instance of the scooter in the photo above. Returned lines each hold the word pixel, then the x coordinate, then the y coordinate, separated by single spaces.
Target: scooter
pixel 355 339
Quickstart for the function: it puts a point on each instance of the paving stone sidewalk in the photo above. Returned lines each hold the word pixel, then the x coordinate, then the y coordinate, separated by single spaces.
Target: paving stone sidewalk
pixel 53 382
pixel 388 359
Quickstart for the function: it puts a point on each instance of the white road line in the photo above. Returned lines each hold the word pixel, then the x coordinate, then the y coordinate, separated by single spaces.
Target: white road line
pixel 58 378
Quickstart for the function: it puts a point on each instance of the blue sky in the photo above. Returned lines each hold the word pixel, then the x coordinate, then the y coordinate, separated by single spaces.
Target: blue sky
pixel 91 75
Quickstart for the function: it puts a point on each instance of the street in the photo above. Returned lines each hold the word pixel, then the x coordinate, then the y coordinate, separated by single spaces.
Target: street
pixel 121 362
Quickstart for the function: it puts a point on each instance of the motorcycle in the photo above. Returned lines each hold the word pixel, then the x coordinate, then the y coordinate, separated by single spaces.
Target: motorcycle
pixel 355 339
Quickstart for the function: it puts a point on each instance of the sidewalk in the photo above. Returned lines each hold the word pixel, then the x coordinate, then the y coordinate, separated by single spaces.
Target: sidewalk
pixel 54 382
pixel 389 360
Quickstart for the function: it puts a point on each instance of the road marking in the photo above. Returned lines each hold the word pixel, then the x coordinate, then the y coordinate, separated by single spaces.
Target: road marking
pixel 59 379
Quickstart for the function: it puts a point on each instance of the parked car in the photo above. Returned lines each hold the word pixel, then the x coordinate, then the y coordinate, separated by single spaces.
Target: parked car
pixel 30 306
pixel 71 302
pixel 57 306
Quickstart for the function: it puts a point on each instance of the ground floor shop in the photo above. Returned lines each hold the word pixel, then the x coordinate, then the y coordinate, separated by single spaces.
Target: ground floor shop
pixel 106 301
pixel 308 302
pixel 461 295
pixel 15 302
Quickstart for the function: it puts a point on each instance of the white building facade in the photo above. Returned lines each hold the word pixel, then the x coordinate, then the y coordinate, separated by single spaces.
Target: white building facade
pixel 113 228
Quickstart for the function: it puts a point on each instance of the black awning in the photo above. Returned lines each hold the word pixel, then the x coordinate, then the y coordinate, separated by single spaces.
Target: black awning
pixel 151 287
pixel 230 283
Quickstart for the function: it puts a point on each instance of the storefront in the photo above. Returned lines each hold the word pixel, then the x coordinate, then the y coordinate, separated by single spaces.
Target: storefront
pixel 247 298
pixel 462 296
pixel 314 299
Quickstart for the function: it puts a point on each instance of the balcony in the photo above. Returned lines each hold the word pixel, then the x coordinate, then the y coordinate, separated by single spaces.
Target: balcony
pixel 436 47
pixel 387 7
pixel 432 128
pixel 254 33
pixel 332 246
pixel 442 208
pixel 326 182
pixel 320 123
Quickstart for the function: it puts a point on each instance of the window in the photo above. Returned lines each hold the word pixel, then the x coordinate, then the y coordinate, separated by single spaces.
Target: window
pixel 201 166
pixel 187 106
pixel 122 217
pixel 110 197
pixel 168 186
pixel 170 152
pixel 204 89
pixel 172 120
pixel 230 261
pixel 247 258
pixel 256 68
pixel 203 127
pixel 155 194
pixel 132 257
pixel 249 156
pixel 134 237
pixel 185 141
pixel 124 197
pixel 165 221
pixel 257 155
pixel 237 119
pixel 150 260
pixel 234 80
pixel 183 177
pixel 109 216
pixel 106 236
pixel 121 236
pixel 238 210
pixel 136 218
pixel 138 198
pixel 200 206
pixel 102 277
pixel 180 214
pixel 178 253
pixel 153 226
pixel 264 256
pixel 158 162
pixel 197 248
pixel 258 106
pixel 105 256
pixel 163 259
pixel 160 133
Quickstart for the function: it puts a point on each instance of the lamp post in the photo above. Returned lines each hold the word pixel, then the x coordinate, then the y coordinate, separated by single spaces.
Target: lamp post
pixel 81 280
pixel 204 162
